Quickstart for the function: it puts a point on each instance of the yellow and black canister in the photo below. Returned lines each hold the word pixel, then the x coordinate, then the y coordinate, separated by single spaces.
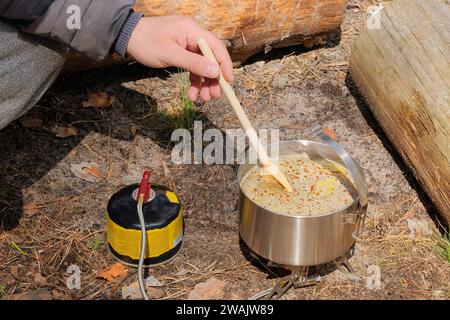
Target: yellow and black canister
pixel 163 220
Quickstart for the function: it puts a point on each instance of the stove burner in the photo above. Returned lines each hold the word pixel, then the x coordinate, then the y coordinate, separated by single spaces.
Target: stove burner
pixel 299 279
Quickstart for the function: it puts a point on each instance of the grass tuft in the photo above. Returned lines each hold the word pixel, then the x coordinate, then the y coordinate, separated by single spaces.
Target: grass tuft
pixel 444 247
pixel 185 110
pixel 2 290
pixel 95 244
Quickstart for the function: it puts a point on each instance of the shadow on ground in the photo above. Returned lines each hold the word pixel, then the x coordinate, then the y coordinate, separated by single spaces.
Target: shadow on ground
pixel 27 155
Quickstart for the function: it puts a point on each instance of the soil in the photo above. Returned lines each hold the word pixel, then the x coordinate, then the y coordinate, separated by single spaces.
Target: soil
pixel 52 219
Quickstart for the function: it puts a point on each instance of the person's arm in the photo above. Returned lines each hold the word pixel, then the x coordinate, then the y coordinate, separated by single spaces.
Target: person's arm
pixel 104 25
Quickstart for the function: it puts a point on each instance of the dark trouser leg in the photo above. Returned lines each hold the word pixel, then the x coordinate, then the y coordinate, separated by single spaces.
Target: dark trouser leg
pixel 28 67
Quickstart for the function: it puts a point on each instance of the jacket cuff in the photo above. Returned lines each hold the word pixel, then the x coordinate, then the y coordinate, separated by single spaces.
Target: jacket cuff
pixel 125 33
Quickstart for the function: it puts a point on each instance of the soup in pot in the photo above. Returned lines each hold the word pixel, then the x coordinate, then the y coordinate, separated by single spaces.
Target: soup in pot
pixel 321 187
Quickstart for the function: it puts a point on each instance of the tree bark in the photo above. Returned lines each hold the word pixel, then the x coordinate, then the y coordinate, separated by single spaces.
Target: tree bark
pixel 246 26
pixel 403 70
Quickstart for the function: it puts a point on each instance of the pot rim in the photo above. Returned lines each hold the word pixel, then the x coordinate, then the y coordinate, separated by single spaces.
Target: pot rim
pixel 355 200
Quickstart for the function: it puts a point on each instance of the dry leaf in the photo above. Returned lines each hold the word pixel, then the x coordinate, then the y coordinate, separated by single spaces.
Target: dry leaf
pixel 15 271
pixel 64 132
pixel 38 294
pixel 39 279
pixel 155 293
pixel 151 281
pixel 182 272
pixel 418 228
pixel 132 291
pixel 59 295
pixel 235 296
pixel 93 171
pixel 98 100
pixel 211 289
pixel 115 271
pixel 30 209
pixel 88 171
pixel 31 123
pixel 115 169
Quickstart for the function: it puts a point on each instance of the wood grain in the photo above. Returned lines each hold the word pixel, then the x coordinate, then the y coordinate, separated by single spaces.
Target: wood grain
pixel 403 70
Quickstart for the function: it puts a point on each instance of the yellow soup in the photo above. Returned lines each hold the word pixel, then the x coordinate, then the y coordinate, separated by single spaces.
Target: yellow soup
pixel 320 187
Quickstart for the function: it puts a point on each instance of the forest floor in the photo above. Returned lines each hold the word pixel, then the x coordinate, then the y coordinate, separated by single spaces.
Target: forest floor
pixel 53 219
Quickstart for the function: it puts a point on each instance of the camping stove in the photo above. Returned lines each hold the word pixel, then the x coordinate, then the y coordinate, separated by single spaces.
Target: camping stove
pixel 300 278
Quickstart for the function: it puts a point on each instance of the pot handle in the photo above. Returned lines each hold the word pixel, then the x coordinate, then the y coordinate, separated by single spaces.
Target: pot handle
pixel 357 175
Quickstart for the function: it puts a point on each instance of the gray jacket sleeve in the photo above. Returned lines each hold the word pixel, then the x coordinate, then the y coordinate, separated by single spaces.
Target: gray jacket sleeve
pixel 93 27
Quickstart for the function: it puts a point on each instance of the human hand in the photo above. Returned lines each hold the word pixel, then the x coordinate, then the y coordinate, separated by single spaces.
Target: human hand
pixel 161 42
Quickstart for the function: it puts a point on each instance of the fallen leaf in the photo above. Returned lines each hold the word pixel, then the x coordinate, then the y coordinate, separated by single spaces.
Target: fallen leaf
pixel 408 215
pixel 38 294
pixel 155 293
pixel 418 227
pixel 182 272
pixel 115 169
pixel 151 281
pixel 31 123
pixel 115 271
pixel 88 171
pixel 131 292
pixel 98 100
pixel 93 171
pixel 64 132
pixel 56 294
pixel 235 296
pixel 30 209
pixel 14 270
pixel 39 279
pixel 211 289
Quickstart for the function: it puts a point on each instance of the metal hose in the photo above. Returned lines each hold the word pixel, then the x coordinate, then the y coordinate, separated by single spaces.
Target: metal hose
pixel 140 204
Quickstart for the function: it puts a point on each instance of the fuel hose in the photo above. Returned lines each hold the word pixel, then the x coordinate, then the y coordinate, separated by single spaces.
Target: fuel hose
pixel 142 196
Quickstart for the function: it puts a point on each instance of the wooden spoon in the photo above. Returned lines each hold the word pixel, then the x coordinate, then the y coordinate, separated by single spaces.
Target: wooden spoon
pixel 266 162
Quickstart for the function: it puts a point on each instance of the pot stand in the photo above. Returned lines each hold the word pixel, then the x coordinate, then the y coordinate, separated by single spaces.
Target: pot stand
pixel 299 279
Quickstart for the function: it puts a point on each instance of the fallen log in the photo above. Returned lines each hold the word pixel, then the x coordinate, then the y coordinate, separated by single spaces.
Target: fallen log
pixel 402 67
pixel 246 26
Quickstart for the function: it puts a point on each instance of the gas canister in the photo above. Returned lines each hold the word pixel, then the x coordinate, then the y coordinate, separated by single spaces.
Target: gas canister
pixel 163 221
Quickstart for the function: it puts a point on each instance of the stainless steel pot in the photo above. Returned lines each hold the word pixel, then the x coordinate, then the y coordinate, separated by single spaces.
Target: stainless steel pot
pixel 308 240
